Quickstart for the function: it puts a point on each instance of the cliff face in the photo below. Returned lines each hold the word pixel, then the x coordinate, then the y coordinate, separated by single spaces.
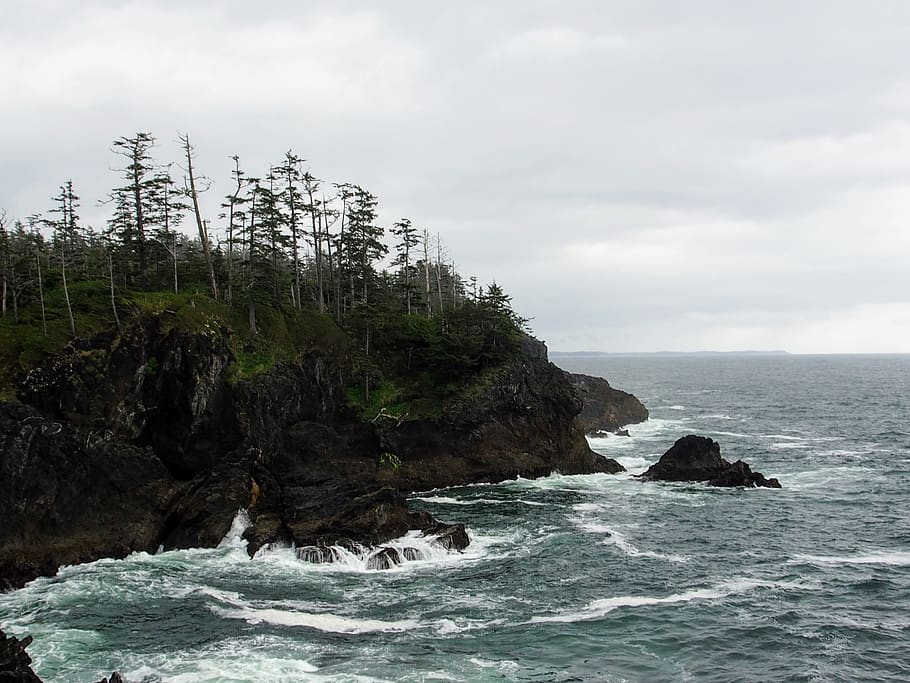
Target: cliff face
pixel 520 422
pixel 143 440
pixel 605 409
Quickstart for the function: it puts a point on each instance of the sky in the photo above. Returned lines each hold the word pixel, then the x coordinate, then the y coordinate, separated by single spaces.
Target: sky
pixel 639 175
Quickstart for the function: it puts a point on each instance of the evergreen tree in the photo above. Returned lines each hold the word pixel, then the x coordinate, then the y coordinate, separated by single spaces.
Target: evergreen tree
pixel 134 202
pixel 407 240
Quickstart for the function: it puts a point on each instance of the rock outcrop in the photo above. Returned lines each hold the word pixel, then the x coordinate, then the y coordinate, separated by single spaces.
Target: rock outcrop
pixel 603 408
pixel 698 458
pixel 15 664
pixel 141 440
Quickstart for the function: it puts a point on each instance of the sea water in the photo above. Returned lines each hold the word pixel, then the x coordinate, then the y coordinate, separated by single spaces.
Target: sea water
pixel 567 578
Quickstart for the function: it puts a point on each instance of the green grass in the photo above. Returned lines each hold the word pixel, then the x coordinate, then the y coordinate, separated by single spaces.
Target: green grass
pixel 284 334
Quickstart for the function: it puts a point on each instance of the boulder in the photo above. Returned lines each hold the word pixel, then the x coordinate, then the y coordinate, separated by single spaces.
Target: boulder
pixel 698 458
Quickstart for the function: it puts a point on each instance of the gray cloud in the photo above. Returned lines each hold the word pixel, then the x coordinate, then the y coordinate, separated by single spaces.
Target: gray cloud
pixel 639 175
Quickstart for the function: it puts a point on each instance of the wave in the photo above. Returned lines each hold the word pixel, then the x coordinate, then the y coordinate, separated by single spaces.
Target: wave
pixel 899 558
pixel 650 429
pixel 256 658
pixel 234 536
pixel 600 608
pixel 447 500
pixel 329 623
pixel 621 543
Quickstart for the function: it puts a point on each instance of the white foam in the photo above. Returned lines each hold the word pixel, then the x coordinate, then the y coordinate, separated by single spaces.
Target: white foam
pixel 234 537
pixel 620 542
pixel 652 429
pixel 788 446
pixel 257 658
pixel 431 555
pixel 895 559
pixel 599 608
pixel 448 500
pixel 737 435
pixel 329 623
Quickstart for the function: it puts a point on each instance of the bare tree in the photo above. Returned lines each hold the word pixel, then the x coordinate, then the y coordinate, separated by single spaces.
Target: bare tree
pixel 193 194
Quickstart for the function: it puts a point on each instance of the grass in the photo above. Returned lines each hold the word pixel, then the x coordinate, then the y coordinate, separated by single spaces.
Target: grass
pixel 284 334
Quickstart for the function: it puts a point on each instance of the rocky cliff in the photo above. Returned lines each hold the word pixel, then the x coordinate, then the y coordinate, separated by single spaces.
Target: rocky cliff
pixel 605 409
pixel 146 439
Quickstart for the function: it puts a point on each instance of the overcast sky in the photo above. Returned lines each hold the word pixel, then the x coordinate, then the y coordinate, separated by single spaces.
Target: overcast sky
pixel 640 176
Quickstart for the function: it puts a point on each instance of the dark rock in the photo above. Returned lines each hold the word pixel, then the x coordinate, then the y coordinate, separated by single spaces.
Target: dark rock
pixel 15 664
pixel 691 458
pixel 452 537
pixel 522 423
pixel 740 474
pixel 605 409
pixel 621 432
pixel 698 458
pixel 411 554
pixel 317 554
pixel 114 678
pixel 385 558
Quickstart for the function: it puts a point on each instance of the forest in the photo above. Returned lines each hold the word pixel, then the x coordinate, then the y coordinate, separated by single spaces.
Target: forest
pixel 291 261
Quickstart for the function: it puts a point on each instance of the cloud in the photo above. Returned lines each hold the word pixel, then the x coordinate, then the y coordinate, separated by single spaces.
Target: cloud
pixel 640 175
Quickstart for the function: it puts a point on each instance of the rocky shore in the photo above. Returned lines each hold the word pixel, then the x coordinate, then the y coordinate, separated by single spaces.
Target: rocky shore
pixel 135 441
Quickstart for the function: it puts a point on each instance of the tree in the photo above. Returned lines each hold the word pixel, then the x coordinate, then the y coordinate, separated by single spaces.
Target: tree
pixel 65 233
pixel 170 210
pixel 193 194
pixel 289 174
pixel 234 215
pixel 6 262
pixel 408 239
pixel 134 202
pixel 312 186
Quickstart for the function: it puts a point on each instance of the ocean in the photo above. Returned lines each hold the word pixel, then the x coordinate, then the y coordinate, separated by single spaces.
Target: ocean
pixel 567 578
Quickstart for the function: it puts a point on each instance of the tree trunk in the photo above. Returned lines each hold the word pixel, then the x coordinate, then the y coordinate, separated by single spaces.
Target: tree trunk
pixel 110 264
pixel 66 291
pixel 317 245
pixel 200 225
pixel 324 225
pixel 140 226
pixel 439 273
pixel 426 270
pixel 41 293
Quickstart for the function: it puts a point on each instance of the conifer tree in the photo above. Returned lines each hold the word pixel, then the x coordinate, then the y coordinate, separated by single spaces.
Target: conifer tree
pixel 134 201
pixel 407 236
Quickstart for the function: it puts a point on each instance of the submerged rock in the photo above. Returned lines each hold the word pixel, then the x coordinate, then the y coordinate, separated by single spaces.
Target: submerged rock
pixel 698 458
pixel 114 678
pixel 603 408
pixel 385 558
pixel 452 537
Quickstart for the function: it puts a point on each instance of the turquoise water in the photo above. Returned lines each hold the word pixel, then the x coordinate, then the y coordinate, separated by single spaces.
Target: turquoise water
pixel 568 578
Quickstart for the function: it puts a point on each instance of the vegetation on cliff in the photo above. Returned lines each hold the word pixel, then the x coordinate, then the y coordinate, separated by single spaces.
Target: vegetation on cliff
pixel 291 264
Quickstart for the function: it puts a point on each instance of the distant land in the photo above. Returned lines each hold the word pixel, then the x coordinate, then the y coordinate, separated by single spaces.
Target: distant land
pixel 599 354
